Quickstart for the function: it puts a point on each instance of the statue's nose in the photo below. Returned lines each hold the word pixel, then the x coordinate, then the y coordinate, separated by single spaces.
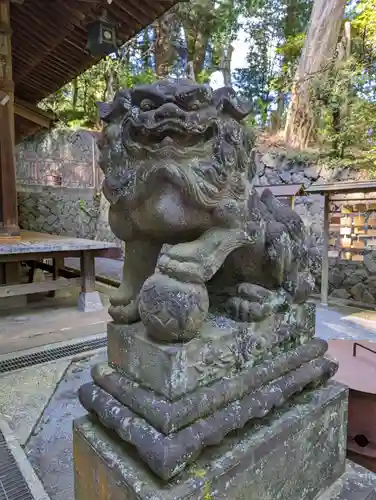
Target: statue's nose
pixel 168 110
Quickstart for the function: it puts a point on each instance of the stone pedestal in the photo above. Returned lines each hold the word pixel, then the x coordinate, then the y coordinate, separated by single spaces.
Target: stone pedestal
pixel 243 411
pixel 294 454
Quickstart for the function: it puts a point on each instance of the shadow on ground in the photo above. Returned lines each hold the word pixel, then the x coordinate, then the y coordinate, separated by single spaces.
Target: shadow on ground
pixel 49 448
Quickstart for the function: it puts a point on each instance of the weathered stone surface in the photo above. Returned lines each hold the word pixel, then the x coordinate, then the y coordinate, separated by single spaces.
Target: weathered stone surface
pixel 168 417
pixel 285 177
pixel 71 211
pixel 341 293
pixel 370 262
pixel 295 454
pixel 168 455
pixel 223 346
pixel 336 277
pixel 356 483
pixel 212 308
pixel 361 294
pixel 353 278
pixel 270 160
pixel 313 172
pixel 190 183
pixel 89 302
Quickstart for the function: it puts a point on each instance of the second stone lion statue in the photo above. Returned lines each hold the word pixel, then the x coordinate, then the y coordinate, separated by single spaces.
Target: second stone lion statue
pixel 178 163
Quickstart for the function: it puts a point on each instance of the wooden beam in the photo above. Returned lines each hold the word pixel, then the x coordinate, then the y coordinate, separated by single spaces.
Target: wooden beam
pixel 8 192
pixel 45 286
pixel 325 255
pixel 32 113
pixel 4 98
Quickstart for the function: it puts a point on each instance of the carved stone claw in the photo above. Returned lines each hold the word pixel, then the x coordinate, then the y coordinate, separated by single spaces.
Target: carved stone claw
pixel 127 314
pixel 121 297
pixel 182 270
pixel 255 303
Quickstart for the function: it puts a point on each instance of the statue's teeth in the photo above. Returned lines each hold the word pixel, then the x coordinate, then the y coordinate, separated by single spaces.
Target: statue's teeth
pixel 167 140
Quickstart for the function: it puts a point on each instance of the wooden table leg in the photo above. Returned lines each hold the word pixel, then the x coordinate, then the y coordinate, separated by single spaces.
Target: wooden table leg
pixel 57 263
pixel 10 274
pixel 32 267
pixel 89 299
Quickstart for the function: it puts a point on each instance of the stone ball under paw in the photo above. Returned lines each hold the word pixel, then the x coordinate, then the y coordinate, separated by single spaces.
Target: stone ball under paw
pixel 171 310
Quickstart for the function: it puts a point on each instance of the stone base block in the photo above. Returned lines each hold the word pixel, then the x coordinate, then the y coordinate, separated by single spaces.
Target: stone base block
pixel 89 302
pixel 357 483
pixel 222 346
pixel 295 453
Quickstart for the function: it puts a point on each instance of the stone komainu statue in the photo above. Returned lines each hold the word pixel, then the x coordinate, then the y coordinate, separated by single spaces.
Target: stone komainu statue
pixel 218 277
pixel 178 161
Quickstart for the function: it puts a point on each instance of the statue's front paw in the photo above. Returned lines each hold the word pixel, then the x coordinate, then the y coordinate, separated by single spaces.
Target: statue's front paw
pixel 171 310
pixel 183 270
pixel 125 315
pixel 243 310
pixel 121 296
pixel 255 303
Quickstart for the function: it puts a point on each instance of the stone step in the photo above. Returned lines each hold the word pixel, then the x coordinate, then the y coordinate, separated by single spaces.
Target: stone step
pixel 357 483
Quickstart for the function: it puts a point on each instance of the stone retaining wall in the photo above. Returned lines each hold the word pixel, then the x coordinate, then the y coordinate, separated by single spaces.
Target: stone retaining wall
pixel 78 212
pixel 347 280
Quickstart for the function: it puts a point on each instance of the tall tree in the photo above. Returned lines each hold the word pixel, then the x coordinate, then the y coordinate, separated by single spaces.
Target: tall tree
pixel 164 47
pixel 294 25
pixel 317 59
pixel 263 22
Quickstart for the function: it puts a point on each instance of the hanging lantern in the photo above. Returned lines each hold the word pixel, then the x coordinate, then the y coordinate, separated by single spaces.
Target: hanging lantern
pixel 101 38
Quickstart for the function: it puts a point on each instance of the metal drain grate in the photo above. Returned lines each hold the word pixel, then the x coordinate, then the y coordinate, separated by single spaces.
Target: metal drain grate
pixel 36 358
pixel 12 483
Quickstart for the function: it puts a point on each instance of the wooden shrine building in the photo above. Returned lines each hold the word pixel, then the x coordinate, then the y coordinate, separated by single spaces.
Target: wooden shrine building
pixel 44 44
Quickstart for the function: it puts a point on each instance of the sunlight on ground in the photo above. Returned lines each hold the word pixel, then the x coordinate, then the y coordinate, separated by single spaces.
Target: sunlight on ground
pixel 366 319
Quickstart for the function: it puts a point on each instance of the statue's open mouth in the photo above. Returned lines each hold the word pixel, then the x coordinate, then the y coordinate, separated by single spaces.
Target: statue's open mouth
pixel 170 133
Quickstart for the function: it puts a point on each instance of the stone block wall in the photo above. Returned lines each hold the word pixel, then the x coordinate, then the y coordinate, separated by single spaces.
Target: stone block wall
pixel 347 280
pixel 64 156
pixel 78 212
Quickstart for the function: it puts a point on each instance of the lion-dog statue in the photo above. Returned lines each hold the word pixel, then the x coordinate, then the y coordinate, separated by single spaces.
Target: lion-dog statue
pixel 178 163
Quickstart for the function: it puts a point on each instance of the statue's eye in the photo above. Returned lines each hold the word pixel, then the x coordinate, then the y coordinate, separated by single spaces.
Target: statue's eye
pixel 147 105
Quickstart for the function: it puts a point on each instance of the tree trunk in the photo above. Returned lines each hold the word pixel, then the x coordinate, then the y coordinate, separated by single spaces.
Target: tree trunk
pixel 197 44
pixel 163 48
pixel 289 29
pixel 146 50
pixel 74 94
pixel 317 58
pixel 226 58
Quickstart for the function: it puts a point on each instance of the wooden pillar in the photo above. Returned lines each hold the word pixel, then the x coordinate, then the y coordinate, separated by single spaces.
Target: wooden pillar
pixel 8 193
pixel 89 299
pixel 325 254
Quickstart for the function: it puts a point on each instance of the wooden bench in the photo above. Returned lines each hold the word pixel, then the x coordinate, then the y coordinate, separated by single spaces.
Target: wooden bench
pixel 35 247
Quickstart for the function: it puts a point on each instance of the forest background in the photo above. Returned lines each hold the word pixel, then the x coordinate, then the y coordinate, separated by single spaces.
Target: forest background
pixel 309 67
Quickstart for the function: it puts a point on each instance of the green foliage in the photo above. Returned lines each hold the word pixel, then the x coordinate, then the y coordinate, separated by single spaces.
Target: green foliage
pixel 76 103
pixel 201 32
pixel 276 31
pixel 366 20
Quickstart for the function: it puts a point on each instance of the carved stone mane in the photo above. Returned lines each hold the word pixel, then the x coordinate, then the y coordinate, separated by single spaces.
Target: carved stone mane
pixel 178 121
